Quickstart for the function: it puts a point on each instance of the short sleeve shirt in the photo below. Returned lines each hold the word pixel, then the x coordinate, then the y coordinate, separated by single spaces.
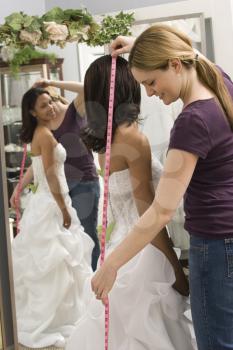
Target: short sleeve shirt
pixel 202 129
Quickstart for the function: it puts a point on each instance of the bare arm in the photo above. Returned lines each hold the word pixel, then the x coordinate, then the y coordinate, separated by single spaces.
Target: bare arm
pixel 66 85
pixel 47 144
pixel 26 180
pixel 143 190
pixel 121 45
pixel 178 171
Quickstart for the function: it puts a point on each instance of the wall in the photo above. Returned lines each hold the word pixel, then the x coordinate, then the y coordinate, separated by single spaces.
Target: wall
pixel 222 23
pixel 27 6
pixel 98 7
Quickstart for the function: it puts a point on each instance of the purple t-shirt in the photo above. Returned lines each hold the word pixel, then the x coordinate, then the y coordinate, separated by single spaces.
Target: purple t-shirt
pixel 79 164
pixel 202 129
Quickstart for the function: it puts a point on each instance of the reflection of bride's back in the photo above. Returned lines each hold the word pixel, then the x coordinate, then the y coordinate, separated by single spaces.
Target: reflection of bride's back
pixel 145 311
pixel 50 264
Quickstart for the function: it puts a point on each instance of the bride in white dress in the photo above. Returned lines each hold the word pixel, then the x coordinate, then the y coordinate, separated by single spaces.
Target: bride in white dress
pixel 146 312
pixel 52 253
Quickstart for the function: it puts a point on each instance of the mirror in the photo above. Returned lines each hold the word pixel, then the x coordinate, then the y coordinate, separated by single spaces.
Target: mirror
pixel 12 90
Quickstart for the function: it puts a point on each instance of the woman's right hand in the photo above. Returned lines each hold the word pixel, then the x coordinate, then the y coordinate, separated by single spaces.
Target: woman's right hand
pixel 41 83
pixel 13 199
pixel 66 218
pixel 122 44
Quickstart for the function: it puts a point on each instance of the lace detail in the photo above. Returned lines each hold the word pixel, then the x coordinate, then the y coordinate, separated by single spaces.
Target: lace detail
pixel 122 208
pixel 40 179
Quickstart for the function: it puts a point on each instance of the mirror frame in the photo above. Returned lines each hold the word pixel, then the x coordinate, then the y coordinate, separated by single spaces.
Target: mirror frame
pixel 7 300
pixel 172 18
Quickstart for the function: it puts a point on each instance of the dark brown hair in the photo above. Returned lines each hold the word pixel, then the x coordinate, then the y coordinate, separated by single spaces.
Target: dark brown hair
pixel 96 95
pixel 29 121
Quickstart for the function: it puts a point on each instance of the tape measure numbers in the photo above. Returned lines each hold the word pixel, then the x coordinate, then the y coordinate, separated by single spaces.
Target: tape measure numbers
pixel 106 178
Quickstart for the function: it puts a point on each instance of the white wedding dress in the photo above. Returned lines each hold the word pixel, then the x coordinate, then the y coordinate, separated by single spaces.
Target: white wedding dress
pixel 50 264
pixel 146 313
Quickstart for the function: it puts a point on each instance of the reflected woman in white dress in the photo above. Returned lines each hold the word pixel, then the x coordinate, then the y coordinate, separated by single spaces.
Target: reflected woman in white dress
pixel 147 310
pixel 52 253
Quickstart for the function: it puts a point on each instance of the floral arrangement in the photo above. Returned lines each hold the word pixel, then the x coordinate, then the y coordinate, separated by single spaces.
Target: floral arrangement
pixel 21 34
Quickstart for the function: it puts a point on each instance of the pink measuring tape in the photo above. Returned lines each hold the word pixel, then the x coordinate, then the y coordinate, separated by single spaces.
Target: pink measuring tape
pixel 17 198
pixel 106 178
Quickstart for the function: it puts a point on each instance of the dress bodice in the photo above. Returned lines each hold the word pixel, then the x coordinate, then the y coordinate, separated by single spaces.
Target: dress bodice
pixel 40 179
pixel 122 209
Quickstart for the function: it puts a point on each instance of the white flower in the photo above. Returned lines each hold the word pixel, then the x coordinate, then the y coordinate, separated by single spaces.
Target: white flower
pixel 57 32
pixel 7 53
pixel 84 32
pixel 75 38
pixel 30 37
pixel 44 44
pixel 80 34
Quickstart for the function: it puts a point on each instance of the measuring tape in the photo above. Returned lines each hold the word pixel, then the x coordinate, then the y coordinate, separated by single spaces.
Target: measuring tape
pixel 106 178
pixel 17 197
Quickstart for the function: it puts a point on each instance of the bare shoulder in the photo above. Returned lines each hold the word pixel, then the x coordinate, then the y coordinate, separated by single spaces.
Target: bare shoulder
pixel 133 137
pixel 42 138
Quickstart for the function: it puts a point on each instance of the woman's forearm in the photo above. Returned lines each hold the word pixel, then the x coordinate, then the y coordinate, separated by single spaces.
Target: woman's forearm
pixel 142 234
pixel 67 85
pixel 55 187
pixel 27 178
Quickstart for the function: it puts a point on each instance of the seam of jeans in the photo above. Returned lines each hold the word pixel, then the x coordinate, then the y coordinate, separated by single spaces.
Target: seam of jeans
pixel 205 296
pixel 229 256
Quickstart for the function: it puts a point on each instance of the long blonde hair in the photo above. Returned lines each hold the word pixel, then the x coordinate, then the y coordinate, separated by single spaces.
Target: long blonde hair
pixel 158 44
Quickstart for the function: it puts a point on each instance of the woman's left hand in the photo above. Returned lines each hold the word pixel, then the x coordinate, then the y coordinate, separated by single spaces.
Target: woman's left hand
pixel 103 281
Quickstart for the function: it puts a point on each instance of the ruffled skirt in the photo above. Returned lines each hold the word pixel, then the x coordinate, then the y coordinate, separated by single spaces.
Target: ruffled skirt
pixel 51 265
pixel 146 313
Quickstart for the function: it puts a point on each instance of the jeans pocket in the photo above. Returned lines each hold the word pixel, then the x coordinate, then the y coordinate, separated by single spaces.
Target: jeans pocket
pixel 229 256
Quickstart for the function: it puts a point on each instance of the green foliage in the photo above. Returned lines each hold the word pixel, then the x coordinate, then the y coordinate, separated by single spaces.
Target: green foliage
pixel 32 24
pixel 81 16
pixel 110 28
pixel 54 15
pixel 20 33
pixel 18 21
pixel 32 187
pixel 15 21
pixel 100 172
pixel 26 54
pixel 109 230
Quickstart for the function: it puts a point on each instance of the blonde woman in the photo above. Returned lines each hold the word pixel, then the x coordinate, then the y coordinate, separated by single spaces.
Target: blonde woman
pixel 199 167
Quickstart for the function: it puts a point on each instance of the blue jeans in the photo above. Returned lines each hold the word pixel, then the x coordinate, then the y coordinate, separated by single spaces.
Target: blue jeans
pixel 85 199
pixel 211 292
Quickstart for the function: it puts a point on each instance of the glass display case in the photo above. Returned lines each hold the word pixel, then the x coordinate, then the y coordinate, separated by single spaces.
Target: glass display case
pixel 13 88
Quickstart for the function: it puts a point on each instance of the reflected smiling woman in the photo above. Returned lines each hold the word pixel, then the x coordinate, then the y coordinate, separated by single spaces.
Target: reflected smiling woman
pixel 51 247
